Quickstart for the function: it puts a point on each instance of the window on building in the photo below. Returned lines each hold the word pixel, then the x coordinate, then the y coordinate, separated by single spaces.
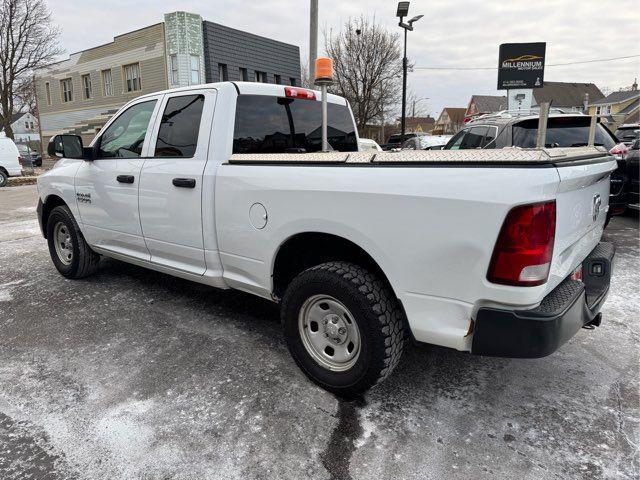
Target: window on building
pixel 26 125
pixel 66 89
pixel 292 82
pixel 132 77
pixel 86 86
pixel 266 124
pixel 277 79
pixel 179 128
pixel 47 92
pixel 125 136
pixel 32 125
pixel 195 70
pixel 173 63
pixel 261 77
pixel 244 75
pixel 222 72
pixel 107 83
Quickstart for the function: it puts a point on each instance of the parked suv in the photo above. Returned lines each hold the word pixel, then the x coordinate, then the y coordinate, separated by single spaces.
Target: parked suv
pixel 628 133
pixel 504 129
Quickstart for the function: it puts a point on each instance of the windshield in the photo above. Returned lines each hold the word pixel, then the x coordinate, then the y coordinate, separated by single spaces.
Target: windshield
pixel 561 132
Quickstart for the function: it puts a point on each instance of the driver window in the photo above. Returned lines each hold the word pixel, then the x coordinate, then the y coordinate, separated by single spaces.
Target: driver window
pixel 125 136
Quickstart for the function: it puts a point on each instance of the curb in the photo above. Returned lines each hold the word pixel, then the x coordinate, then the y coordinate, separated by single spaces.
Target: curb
pixel 16 181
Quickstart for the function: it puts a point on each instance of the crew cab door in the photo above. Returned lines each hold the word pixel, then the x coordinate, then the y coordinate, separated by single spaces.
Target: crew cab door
pixel 107 187
pixel 170 193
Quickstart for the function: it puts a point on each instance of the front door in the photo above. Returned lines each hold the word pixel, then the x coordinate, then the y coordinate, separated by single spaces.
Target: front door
pixel 170 195
pixel 107 187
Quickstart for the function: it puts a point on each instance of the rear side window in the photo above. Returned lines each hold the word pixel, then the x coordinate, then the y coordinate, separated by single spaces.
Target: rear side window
pixel 125 136
pixel 267 124
pixel 561 132
pixel 627 134
pixel 179 127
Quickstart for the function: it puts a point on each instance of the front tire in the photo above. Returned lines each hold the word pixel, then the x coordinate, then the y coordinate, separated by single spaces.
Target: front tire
pixel 69 251
pixel 3 178
pixel 343 326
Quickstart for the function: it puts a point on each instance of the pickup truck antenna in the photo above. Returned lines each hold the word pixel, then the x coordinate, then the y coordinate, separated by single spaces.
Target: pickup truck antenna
pixel 324 78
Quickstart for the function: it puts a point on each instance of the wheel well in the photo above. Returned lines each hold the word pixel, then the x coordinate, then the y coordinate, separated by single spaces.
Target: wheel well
pixel 306 250
pixel 4 170
pixel 52 201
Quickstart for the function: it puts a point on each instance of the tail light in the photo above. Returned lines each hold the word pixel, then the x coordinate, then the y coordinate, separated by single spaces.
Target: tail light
pixel 20 160
pixel 522 254
pixel 619 150
pixel 301 93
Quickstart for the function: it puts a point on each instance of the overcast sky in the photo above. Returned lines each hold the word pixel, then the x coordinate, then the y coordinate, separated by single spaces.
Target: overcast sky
pixel 451 34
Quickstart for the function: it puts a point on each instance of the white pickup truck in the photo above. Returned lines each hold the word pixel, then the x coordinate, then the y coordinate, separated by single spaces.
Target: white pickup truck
pixel 493 252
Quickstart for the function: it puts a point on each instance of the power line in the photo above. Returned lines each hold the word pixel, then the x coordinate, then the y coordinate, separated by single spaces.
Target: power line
pixel 547 65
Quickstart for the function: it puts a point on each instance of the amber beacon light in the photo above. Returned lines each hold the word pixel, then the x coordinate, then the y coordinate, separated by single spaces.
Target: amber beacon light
pixel 324 78
pixel 324 70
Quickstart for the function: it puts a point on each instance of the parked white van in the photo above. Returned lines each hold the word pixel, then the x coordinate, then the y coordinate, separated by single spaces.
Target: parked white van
pixel 9 160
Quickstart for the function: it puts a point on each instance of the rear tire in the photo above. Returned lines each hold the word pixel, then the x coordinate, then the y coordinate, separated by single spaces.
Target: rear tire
pixel 366 341
pixel 69 251
pixel 3 178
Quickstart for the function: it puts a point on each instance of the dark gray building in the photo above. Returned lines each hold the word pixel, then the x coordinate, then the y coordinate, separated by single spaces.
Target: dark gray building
pixel 231 54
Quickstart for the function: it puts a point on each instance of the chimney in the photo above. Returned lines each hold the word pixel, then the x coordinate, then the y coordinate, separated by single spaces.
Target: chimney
pixel 585 104
pixel 634 87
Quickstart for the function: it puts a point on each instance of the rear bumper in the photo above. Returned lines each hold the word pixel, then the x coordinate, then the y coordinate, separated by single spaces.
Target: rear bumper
pixel 541 331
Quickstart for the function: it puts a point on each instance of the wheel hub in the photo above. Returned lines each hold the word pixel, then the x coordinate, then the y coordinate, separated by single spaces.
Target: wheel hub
pixel 329 333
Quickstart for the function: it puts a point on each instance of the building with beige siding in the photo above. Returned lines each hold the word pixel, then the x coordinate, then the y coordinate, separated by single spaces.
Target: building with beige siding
pixel 78 95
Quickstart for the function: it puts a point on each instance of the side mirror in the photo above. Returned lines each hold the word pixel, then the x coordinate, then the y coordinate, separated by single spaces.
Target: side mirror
pixel 66 146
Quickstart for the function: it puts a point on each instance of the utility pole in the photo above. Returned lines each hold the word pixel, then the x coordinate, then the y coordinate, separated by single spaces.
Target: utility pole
pixel 313 39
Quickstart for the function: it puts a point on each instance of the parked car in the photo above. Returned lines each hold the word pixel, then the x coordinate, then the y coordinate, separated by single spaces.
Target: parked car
pixel 628 133
pixel 394 141
pixel 504 129
pixel 483 258
pixel 426 142
pixel 9 160
pixel 633 173
pixel 366 144
pixel 29 154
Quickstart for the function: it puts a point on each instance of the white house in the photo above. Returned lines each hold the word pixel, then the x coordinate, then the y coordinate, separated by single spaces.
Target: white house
pixel 25 127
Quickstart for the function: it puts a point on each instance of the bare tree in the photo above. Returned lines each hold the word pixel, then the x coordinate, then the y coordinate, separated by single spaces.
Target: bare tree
pixel 28 41
pixel 367 61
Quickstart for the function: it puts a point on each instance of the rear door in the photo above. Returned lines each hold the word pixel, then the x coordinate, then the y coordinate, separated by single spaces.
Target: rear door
pixel 170 193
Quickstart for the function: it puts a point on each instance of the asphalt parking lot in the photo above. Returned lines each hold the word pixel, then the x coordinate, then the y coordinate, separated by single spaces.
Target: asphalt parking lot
pixel 137 375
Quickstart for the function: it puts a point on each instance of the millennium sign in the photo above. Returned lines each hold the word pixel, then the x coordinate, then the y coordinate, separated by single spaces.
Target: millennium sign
pixel 521 65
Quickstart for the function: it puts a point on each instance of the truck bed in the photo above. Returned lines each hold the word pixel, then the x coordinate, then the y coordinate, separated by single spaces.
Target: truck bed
pixel 507 156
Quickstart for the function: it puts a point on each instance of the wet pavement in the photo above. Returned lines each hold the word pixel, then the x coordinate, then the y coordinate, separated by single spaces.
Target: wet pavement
pixel 137 375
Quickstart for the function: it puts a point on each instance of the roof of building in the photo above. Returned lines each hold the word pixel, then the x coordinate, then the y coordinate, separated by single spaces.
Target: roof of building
pixel 456 115
pixel 631 107
pixel 566 94
pixel 488 103
pixel 617 97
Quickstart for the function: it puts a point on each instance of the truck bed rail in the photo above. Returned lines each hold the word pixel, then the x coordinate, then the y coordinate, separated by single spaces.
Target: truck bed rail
pixel 506 156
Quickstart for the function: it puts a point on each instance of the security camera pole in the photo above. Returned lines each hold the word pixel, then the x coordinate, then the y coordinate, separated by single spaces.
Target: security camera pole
pixel 324 78
pixel 403 11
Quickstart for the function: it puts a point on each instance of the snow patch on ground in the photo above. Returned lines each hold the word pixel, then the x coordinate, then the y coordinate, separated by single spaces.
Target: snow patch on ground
pixel 6 289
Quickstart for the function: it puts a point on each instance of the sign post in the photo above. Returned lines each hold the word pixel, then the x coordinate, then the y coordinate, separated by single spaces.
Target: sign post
pixel 520 70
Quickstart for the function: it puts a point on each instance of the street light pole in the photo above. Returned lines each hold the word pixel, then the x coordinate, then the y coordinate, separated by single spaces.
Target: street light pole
pixel 403 119
pixel 403 11
pixel 313 39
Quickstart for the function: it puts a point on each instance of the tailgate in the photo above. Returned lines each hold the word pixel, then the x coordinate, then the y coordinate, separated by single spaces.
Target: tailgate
pixel 582 203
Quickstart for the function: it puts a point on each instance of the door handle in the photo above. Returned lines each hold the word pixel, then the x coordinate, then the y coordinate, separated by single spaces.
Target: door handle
pixel 125 178
pixel 184 182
